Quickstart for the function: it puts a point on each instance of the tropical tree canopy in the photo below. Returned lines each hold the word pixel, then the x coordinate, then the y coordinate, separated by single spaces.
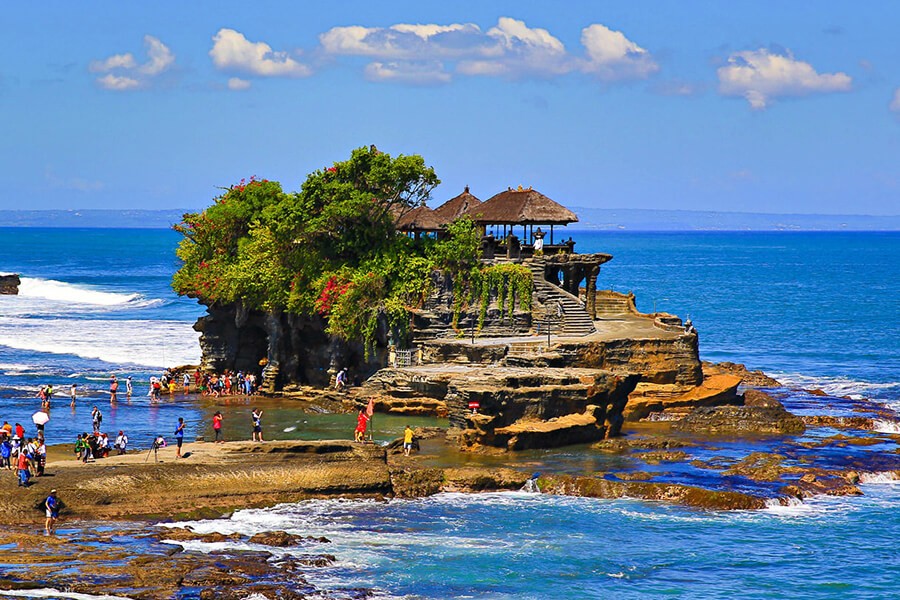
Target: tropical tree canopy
pixel 331 248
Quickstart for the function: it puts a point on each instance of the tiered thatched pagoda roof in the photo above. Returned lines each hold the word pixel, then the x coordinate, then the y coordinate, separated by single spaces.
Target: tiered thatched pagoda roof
pixel 521 207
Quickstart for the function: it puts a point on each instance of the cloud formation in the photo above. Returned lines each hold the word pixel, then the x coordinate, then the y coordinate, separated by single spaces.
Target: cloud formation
pixel 233 52
pixel 123 72
pixel 760 76
pixel 432 53
pixel 895 103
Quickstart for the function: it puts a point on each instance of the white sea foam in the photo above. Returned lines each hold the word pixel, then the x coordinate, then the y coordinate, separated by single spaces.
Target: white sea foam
pixel 119 342
pixel 885 426
pixel 881 477
pixel 50 289
pixel 835 386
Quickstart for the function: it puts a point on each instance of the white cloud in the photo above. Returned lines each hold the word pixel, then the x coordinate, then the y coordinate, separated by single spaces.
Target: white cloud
pixel 124 73
pixel 232 51
pixel 116 61
pixel 160 57
pixel 612 56
pixel 761 76
pixel 236 83
pixel 406 41
pixel 510 48
pixel 895 103
pixel 407 72
pixel 118 82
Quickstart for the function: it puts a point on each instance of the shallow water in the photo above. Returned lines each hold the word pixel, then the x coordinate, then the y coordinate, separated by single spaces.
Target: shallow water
pixel 813 309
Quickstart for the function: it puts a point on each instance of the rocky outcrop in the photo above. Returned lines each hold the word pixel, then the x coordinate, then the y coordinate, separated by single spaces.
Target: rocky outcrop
pixel 517 408
pixel 654 400
pixel 737 420
pixel 757 398
pixel 283 348
pixel 748 378
pixel 9 284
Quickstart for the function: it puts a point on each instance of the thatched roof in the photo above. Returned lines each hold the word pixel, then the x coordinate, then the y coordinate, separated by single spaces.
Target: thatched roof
pixel 453 208
pixel 420 218
pixel 521 207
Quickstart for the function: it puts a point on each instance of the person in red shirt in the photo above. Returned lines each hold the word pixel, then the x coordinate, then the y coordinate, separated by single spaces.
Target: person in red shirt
pixel 22 465
pixel 217 427
pixel 362 422
pixel 20 431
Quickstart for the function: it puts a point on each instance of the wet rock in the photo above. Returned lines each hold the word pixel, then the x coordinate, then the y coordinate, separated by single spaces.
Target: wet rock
pixel 182 534
pixel 758 398
pixel 655 457
pixel 413 483
pixel 669 492
pixel 762 466
pixel 740 420
pixel 816 392
pixel 864 423
pixel 278 539
pixel 9 284
pixel 634 476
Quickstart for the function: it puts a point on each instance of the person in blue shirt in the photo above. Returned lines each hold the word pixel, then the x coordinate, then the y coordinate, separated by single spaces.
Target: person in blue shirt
pixel 179 436
pixel 52 506
pixel 5 453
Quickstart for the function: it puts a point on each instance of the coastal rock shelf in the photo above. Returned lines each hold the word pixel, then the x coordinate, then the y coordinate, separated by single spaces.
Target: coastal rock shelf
pixel 9 284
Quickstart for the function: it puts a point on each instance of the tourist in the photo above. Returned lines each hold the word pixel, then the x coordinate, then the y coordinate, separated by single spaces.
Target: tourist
pixel 42 394
pixel 72 394
pixel 49 392
pixel 113 389
pixel 362 422
pixel 52 506
pixel 96 419
pixel 20 431
pixel 340 382
pixel 129 387
pixel 22 466
pixel 82 450
pixel 171 387
pixel 257 425
pixel 6 429
pixel 121 442
pixel 217 426
pixel 407 440
pixel 5 453
pixel 179 436
pixel 186 381
pixel 102 446
pixel 41 456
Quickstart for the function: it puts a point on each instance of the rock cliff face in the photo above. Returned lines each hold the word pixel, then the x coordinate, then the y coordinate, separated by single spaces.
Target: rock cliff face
pixel 9 284
pixel 285 348
pixel 517 408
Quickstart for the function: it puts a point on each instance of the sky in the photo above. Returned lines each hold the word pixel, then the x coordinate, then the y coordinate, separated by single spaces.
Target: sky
pixel 750 106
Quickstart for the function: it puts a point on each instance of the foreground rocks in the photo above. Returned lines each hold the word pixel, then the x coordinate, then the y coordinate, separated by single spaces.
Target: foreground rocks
pixel 740 420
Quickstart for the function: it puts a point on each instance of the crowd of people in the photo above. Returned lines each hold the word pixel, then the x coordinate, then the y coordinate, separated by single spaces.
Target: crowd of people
pixel 25 455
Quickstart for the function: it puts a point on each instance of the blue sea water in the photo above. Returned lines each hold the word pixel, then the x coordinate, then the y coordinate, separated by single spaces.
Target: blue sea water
pixel 813 309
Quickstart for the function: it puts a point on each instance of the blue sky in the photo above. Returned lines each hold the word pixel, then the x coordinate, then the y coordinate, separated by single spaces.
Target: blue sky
pixel 740 106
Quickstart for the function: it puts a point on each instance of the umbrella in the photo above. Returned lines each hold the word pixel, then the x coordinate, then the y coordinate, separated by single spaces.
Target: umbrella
pixel 40 418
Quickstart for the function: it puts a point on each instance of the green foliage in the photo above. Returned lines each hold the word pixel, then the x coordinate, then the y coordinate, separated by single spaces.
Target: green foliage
pixel 332 249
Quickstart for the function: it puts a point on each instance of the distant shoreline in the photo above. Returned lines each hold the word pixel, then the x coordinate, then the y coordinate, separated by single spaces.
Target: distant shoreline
pixel 590 219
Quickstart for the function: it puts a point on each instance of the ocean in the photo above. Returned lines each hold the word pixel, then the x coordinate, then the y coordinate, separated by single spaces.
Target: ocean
pixel 815 310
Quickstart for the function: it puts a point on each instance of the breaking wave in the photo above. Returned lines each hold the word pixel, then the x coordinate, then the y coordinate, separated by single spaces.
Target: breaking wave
pixel 60 291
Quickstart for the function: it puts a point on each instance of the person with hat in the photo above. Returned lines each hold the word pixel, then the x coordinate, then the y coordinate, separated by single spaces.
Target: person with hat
pixel 52 505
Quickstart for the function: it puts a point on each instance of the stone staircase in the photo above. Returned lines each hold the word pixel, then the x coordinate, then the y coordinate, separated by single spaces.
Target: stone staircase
pixel 612 303
pixel 575 320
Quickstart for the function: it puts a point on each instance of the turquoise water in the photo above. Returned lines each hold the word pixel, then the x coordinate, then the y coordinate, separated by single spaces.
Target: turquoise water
pixel 814 309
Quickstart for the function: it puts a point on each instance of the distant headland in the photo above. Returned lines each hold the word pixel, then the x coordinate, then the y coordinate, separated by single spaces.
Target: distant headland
pixel 599 219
